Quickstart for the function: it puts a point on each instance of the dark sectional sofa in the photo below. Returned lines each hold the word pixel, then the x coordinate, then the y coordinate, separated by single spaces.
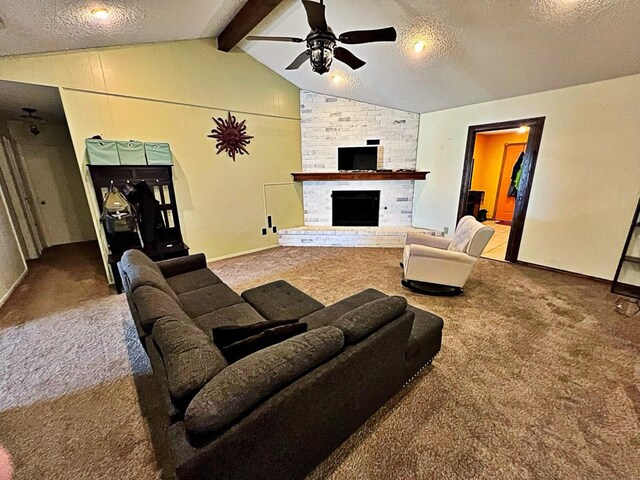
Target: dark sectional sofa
pixel 277 413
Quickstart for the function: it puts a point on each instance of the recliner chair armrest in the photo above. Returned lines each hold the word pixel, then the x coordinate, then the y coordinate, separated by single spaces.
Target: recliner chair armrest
pixel 177 266
pixel 437 253
pixel 418 238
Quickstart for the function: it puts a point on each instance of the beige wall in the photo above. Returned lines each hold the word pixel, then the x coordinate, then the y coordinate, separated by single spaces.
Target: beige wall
pixel 586 184
pixel 169 92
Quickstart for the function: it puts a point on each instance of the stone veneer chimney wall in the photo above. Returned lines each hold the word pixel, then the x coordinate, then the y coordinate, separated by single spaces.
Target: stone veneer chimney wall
pixel 330 122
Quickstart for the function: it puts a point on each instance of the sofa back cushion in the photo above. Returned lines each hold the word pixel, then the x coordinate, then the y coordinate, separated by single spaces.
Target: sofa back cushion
pixel 190 358
pixel 244 384
pixel 153 304
pixel 366 319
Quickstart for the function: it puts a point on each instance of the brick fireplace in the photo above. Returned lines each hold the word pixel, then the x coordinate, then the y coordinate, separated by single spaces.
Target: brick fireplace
pixel 328 123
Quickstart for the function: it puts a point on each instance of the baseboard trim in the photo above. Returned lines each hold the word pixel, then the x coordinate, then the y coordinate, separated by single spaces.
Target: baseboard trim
pixel 239 254
pixel 567 272
pixel 13 287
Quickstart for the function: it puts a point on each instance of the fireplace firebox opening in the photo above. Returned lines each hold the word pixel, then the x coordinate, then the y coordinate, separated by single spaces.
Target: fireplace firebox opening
pixel 355 208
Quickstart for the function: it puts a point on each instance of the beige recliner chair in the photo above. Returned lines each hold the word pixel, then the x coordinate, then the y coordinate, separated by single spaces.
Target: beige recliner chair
pixel 439 266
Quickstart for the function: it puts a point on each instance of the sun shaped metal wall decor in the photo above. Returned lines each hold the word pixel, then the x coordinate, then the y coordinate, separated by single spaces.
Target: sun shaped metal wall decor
pixel 231 136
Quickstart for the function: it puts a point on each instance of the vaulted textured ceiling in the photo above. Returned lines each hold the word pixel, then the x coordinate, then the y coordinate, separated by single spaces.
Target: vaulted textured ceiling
pixel 477 51
pixel 34 26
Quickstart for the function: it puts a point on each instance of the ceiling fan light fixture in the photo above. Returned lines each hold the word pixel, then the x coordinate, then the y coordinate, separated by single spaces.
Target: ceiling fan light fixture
pixel 336 79
pixel 419 46
pixel 321 54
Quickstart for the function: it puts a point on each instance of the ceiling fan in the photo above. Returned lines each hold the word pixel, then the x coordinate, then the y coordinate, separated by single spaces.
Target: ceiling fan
pixel 321 41
pixel 33 119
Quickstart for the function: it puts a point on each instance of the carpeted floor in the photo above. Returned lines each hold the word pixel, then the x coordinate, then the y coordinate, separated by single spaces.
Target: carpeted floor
pixel 538 376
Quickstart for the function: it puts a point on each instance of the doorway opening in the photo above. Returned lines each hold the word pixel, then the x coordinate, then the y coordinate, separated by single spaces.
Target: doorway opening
pixel 499 164
pixel 39 175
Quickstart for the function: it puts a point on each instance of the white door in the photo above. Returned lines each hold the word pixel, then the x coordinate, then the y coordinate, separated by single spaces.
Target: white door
pixel 18 195
pixel 54 181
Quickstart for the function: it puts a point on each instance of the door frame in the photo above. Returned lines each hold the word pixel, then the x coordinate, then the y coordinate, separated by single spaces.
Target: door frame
pixel 536 125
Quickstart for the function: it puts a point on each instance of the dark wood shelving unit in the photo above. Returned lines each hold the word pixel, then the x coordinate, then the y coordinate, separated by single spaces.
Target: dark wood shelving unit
pixel 620 287
pixel 160 180
pixel 337 176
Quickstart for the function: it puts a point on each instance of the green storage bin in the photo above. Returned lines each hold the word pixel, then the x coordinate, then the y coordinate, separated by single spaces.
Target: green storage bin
pixel 158 153
pixel 102 152
pixel 131 153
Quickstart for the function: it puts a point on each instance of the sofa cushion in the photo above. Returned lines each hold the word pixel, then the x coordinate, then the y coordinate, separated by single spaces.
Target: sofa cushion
pixel 271 336
pixel 208 299
pixel 153 304
pixel 281 301
pixel 238 314
pixel 328 315
pixel 228 334
pixel 141 275
pixel 190 357
pixel 244 384
pixel 366 319
pixel 185 282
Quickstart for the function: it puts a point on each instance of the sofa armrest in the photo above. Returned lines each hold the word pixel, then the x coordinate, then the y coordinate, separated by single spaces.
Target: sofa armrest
pixel 437 253
pixel 419 238
pixel 180 265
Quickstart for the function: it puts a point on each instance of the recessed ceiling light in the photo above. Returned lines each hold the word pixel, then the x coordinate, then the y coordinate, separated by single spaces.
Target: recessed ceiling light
pixel 336 79
pixel 100 13
pixel 419 46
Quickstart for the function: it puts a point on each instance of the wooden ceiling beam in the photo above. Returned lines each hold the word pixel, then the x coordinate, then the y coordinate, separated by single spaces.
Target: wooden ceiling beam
pixel 253 12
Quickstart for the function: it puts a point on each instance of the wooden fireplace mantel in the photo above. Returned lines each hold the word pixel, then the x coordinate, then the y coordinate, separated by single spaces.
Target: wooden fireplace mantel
pixel 335 176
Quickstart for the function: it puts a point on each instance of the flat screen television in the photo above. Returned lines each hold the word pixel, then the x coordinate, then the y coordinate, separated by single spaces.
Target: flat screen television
pixel 358 158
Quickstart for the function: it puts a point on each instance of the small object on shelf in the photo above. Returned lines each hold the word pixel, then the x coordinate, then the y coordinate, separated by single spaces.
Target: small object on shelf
pixel 102 152
pixel 158 153
pixel 131 153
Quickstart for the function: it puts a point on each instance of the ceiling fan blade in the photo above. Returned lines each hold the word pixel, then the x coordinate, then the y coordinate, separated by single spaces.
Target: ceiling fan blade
pixel 367 36
pixel 276 39
pixel 345 56
pixel 300 59
pixel 315 15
